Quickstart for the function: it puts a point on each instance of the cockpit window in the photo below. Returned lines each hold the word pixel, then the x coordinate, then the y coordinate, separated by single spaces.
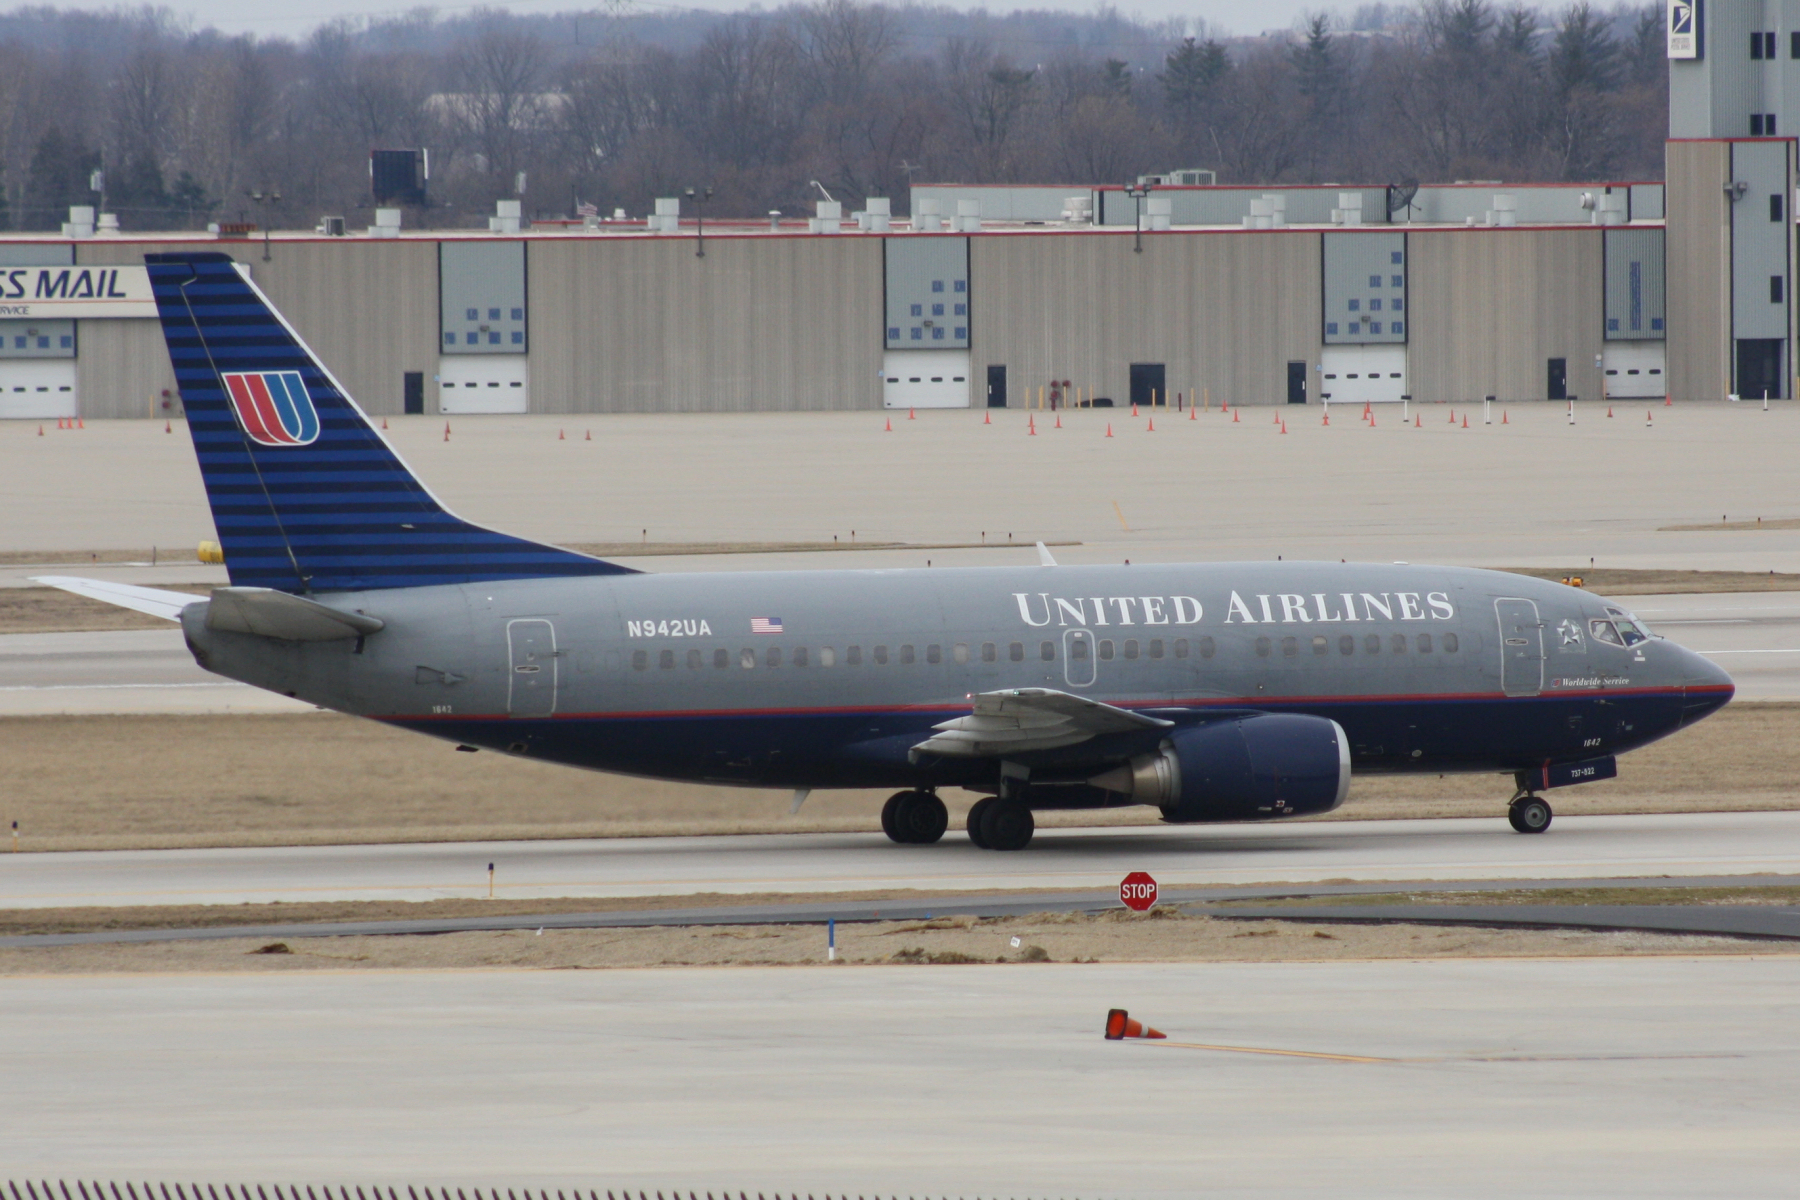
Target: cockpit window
pixel 1631 631
pixel 1603 631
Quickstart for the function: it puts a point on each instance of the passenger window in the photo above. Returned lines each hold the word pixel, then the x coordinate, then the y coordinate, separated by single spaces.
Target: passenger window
pixel 721 657
pixel 1449 643
pixel 799 656
pixel 1016 651
pixel 1372 643
pixel 1156 648
pixel 1078 649
pixel 1347 645
pixel 960 652
pixel 1047 651
pixel 1131 648
pixel 853 656
pixel 1290 647
pixel 933 655
pixel 1399 643
pixel 1262 647
pixel 666 660
pixel 747 660
pixel 1207 647
pixel 906 656
pixel 1424 643
pixel 1181 647
pixel 1107 650
pixel 773 657
pixel 1320 645
pixel 639 660
pixel 990 652
pixel 694 659
pixel 827 657
pixel 881 656
pixel 1603 631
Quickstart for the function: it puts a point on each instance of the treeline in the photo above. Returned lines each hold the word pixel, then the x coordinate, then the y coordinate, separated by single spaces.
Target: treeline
pixel 187 126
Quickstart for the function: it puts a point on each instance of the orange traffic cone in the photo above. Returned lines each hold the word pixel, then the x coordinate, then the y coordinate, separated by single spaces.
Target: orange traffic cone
pixel 1109 429
pixel 890 426
pixel 1224 406
pixel 1367 411
pixel 1277 419
pixel 1120 1026
pixel 1465 420
pixel 41 429
pixel 1609 410
pixel 59 423
pixel 1134 408
pixel 446 431
pixel 1453 416
pixel 1668 401
pixel 384 422
pixel 1371 420
pixel 1059 420
pixel 167 428
pixel 1031 427
pixel 987 418
pixel 1234 417
pixel 1327 419
pixel 1417 423
pixel 1503 420
pixel 559 436
pixel 1646 418
pixel 1151 428
pixel 1284 427
pixel 911 415
pixel 589 437
pixel 1193 413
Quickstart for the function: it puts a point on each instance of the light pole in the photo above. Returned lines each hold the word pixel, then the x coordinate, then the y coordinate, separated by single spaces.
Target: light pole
pixel 264 199
pixel 1137 191
pixel 700 196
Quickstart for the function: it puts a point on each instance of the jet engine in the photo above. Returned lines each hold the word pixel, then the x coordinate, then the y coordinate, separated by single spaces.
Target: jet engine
pixel 1241 769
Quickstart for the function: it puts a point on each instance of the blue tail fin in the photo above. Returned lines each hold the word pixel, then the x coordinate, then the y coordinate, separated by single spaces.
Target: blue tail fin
pixel 306 493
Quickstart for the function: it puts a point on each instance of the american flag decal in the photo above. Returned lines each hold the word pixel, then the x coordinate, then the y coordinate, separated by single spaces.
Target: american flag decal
pixel 765 624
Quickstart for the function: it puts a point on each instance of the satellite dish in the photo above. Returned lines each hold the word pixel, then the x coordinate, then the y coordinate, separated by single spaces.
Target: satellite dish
pixel 1400 195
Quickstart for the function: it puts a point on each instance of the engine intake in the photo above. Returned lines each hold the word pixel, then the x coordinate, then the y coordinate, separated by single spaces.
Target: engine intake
pixel 1241 769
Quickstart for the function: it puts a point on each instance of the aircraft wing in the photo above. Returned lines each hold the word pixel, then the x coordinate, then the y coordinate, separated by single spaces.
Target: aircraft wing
pixel 155 601
pixel 1023 719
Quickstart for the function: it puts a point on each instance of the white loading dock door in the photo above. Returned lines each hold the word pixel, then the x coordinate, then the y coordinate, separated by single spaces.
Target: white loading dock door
pixel 925 379
pixel 1634 371
pixel 483 383
pixel 37 388
pixel 1363 374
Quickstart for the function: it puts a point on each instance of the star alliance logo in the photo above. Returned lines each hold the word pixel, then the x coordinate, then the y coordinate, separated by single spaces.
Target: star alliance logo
pixel 1570 631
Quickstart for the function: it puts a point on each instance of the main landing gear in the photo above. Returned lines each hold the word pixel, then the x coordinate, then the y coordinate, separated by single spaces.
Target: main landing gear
pixel 914 818
pixel 1001 823
pixel 1529 814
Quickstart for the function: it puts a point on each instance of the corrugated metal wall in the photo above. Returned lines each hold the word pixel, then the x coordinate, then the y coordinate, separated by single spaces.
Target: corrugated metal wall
pixel 1223 312
pixel 1634 285
pixel 1696 250
pixel 368 308
pixel 1491 307
pixel 758 325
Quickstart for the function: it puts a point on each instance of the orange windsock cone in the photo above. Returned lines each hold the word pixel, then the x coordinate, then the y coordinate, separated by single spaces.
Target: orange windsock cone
pixel 1120 1026
pixel 1109 429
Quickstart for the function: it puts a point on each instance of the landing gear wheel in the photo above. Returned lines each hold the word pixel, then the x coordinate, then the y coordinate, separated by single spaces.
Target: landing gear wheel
pixel 914 818
pixel 1006 825
pixel 1529 814
pixel 977 813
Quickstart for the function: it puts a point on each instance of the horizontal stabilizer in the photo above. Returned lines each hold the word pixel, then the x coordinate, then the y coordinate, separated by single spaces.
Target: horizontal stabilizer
pixel 266 612
pixel 155 601
pixel 1024 719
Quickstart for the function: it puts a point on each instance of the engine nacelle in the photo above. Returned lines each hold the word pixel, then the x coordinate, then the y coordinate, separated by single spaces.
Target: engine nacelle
pixel 1241 769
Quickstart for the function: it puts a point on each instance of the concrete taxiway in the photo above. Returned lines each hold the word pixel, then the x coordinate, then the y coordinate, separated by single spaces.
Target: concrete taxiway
pixel 1641 1076
pixel 1076 859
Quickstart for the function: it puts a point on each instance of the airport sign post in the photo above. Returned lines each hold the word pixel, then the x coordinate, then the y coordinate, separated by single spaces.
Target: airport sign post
pixel 1137 891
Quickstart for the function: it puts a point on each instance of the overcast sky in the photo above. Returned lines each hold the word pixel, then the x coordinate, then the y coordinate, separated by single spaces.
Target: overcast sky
pixel 296 18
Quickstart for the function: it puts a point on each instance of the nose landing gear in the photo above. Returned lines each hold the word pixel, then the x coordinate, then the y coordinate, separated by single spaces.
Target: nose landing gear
pixel 1529 814
pixel 914 818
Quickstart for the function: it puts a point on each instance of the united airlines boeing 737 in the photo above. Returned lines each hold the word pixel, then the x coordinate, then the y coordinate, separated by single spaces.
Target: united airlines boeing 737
pixel 1215 692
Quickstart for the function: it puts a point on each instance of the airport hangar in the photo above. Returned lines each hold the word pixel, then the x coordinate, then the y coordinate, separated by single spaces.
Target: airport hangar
pixel 1030 295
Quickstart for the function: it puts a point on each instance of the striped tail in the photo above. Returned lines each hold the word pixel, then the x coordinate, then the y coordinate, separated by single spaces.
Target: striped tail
pixel 306 494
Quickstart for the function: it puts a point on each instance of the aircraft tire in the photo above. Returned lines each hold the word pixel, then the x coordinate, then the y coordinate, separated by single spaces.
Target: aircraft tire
pixel 890 817
pixel 1007 825
pixel 976 814
pixel 924 818
pixel 1529 814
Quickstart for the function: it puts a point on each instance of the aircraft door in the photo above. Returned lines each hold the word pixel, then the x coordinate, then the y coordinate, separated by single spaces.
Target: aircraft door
pixel 1078 657
pixel 531 657
pixel 1521 647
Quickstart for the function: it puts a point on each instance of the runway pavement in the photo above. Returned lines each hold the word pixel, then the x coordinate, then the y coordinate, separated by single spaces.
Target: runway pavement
pixel 1657 1076
pixel 1066 860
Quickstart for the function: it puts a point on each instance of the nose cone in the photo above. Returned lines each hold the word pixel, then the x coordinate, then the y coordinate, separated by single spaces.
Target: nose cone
pixel 1709 688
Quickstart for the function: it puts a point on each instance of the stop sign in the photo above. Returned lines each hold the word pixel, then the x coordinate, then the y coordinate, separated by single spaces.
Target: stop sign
pixel 1137 891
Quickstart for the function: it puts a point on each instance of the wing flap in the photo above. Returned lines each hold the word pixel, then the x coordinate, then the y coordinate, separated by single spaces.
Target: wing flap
pixel 266 612
pixel 154 601
pixel 1024 719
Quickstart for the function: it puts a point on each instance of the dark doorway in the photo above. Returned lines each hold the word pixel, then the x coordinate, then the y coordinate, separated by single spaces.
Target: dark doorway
pixel 1559 379
pixel 1147 384
pixel 413 393
pixel 1296 383
pixel 1759 368
pixel 997 386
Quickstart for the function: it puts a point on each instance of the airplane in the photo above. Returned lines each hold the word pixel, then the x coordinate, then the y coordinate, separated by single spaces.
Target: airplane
pixel 1212 691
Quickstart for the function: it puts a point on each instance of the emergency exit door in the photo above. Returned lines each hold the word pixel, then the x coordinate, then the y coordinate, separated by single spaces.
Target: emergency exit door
pixel 531 668
pixel 1521 647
